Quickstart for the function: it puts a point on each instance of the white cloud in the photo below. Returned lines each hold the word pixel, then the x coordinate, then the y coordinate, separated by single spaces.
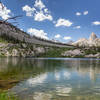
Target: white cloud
pixel 4 12
pixel 78 14
pixel 57 36
pixel 85 12
pixel 67 38
pixel 77 27
pixel 63 22
pixel 39 4
pixel 29 11
pixel 40 16
pixel 37 33
pixel 39 11
pixel 96 23
pixel 46 10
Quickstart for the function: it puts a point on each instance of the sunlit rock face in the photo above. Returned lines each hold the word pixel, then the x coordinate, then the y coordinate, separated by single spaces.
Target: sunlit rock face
pixel 92 37
pixel 81 42
pixel 73 53
pixel 93 41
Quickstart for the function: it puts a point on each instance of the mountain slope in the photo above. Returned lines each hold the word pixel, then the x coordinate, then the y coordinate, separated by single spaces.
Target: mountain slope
pixel 13 33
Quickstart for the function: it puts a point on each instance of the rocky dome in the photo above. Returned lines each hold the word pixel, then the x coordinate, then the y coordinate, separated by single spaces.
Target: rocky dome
pixel 92 36
pixel 92 41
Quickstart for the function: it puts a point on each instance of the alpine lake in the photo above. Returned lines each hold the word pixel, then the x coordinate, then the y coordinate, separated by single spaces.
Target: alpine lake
pixel 51 78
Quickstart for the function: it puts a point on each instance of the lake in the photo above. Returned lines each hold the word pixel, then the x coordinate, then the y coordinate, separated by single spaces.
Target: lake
pixel 51 78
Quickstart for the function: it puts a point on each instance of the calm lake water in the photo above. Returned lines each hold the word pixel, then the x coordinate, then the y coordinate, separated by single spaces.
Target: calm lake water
pixel 51 79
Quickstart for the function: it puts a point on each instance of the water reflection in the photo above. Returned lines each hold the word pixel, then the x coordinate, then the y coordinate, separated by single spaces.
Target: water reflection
pixel 51 79
pixel 42 96
pixel 37 80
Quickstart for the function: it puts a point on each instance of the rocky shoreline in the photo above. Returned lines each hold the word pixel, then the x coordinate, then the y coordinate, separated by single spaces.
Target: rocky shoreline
pixel 88 48
pixel 21 50
pixel 30 50
pixel 80 53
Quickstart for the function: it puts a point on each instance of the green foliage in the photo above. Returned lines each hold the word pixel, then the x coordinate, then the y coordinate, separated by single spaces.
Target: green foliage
pixel 92 51
pixel 54 52
pixel 79 56
pixel 2 40
pixel 7 96
pixel 9 39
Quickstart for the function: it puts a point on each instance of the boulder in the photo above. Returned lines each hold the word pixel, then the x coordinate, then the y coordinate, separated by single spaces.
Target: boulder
pixel 93 55
pixel 15 53
pixel 72 53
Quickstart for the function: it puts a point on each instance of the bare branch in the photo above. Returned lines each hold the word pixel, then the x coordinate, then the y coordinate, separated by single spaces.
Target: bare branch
pixel 13 18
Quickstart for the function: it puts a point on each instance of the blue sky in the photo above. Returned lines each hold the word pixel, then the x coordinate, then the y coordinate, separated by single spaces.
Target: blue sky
pixel 62 20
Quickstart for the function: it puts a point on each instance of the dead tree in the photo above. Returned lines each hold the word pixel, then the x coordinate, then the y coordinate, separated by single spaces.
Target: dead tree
pixel 13 18
pixel 10 18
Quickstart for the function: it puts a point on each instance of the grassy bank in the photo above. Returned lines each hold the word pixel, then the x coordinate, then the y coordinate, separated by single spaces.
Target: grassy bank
pixel 4 95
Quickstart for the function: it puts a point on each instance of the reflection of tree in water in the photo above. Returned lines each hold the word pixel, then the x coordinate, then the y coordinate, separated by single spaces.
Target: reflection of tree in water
pixel 16 69
pixel 84 67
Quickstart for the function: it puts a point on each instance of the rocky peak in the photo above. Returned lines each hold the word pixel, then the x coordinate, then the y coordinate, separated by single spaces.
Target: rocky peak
pixel 92 36
pixel 92 41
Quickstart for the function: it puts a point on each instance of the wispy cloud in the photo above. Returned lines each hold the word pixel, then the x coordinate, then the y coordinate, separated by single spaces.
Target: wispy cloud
pixel 96 23
pixel 5 13
pixel 78 14
pixel 63 22
pixel 77 27
pixel 37 33
pixel 39 11
pixel 67 38
pixel 85 13
pixel 57 36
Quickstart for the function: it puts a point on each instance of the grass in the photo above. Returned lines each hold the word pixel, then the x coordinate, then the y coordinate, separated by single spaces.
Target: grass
pixel 4 95
pixel 2 40
pixel 54 52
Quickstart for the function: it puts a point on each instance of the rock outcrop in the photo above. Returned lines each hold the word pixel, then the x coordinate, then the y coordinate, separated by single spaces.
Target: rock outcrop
pixel 73 53
pixel 93 41
pixel 81 53
pixel 92 36
pixel 93 55
pixel 21 50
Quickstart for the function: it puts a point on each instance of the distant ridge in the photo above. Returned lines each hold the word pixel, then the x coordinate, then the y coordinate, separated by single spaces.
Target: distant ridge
pixel 9 30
